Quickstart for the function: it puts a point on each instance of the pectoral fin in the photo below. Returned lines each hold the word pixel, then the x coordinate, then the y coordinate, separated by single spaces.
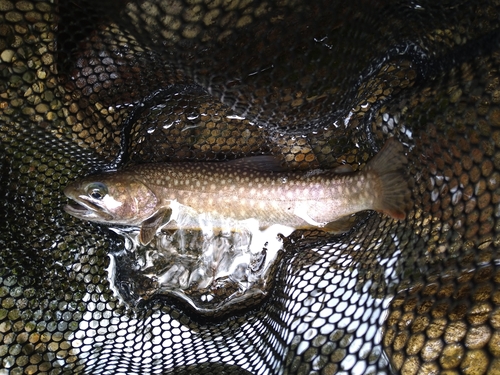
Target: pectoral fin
pixel 150 226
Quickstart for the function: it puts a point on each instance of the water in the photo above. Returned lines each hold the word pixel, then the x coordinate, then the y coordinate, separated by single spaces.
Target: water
pixel 222 265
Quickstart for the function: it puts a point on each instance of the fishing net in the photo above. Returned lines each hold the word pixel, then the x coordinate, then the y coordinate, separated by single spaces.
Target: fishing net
pixel 94 85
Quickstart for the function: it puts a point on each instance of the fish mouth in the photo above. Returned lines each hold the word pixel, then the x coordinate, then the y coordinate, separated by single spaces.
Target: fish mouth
pixel 86 210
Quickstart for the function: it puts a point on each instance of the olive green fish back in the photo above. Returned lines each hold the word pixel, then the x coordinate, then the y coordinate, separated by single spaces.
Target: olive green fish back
pixel 93 85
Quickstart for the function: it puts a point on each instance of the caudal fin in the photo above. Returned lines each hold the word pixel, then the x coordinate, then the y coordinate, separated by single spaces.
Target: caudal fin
pixel 388 166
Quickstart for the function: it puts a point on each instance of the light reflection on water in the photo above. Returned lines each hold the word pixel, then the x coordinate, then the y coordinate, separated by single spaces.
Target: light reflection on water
pixel 209 262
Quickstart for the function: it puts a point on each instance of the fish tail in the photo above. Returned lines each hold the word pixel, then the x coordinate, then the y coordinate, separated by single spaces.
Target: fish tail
pixel 388 166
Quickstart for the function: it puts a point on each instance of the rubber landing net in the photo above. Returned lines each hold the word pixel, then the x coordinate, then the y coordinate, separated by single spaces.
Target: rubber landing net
pixel 87 86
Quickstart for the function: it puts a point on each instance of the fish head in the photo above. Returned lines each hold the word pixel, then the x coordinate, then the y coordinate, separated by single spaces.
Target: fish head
pixel 111 198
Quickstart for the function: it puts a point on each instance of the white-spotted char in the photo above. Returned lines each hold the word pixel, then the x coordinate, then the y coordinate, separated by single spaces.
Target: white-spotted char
pixel 143 195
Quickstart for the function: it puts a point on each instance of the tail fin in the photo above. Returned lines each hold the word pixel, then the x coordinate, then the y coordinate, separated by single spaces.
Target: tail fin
pixel 389 166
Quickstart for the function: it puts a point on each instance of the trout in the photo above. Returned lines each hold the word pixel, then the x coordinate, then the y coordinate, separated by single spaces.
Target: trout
pixel 145 195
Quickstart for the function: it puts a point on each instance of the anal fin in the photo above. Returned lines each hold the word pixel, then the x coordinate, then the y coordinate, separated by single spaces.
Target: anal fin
pixel 342 225
pixel 301 211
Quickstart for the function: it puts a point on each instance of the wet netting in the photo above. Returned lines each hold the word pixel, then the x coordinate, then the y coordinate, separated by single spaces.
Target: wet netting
pixel 94 85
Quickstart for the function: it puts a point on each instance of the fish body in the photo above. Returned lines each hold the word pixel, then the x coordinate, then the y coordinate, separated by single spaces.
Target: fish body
pixel 143 194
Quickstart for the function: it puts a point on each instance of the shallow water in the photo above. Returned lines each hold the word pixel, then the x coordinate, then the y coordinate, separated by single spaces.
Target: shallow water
pixel 222 263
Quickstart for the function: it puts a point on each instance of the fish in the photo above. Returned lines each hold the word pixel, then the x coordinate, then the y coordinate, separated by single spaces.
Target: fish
pixel 145 195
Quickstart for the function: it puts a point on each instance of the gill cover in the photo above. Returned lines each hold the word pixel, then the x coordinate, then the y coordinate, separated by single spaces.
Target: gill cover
pixel 111 198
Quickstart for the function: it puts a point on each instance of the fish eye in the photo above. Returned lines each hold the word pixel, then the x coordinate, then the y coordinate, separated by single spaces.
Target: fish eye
pixel 97 190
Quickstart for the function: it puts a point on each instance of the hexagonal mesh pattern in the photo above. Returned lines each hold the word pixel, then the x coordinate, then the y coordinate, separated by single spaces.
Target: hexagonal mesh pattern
pixel 94 85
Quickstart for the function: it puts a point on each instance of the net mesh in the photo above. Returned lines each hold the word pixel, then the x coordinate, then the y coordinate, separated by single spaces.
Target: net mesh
pixel 95 85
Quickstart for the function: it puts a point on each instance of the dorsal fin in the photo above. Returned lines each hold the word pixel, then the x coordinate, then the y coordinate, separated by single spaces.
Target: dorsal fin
pixel 344 168
pixel 259 163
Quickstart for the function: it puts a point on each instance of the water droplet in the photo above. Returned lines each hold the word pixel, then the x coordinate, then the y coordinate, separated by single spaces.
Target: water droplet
pixel 168 125
pixel 190 127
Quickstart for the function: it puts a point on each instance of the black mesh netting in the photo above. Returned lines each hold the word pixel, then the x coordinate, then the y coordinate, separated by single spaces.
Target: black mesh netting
pixel 100 84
